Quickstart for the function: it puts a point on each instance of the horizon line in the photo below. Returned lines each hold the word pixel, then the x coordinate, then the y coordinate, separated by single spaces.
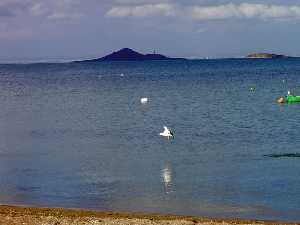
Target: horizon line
pixel 66 61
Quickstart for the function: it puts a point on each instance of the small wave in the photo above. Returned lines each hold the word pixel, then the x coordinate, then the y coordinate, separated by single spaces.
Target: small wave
pixel 289 155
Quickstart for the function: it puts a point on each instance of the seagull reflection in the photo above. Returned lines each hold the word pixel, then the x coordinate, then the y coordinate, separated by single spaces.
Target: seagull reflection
pixel 167 175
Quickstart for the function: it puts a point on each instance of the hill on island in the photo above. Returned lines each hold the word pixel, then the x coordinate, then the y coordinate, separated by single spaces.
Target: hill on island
pixel 266 56
pixel 127 54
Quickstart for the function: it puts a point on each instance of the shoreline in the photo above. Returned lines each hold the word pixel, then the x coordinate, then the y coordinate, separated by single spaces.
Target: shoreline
pixel 59 216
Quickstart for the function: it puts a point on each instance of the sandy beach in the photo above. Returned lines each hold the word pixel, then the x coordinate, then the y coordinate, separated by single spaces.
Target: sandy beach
pixel 13 215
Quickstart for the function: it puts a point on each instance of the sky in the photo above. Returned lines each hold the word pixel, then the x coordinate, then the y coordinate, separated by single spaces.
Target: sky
pixel 54 30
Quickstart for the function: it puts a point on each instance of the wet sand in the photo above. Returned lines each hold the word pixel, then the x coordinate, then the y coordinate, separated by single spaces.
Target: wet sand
pixel 12 215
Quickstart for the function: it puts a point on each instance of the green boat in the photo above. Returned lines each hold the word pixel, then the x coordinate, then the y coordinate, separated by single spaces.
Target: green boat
pixel 292 98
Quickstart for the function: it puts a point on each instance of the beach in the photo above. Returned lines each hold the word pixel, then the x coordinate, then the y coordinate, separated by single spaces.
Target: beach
pixel 15 215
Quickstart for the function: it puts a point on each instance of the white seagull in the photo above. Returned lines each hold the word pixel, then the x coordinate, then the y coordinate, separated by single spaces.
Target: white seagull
pixel 144 100
pixel 167 133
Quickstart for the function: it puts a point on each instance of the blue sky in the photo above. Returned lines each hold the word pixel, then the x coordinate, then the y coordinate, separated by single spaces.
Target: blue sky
pixel 72 29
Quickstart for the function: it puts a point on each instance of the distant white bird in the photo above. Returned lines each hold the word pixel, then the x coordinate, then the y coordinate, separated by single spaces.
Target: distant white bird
pixel 122 75
pixel 167 133
pixel 144 100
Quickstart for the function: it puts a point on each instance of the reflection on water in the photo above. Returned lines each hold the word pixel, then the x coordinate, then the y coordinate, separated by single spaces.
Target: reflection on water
pixel 167 177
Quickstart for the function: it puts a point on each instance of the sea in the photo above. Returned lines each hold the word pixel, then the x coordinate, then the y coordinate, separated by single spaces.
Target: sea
pixel 76 135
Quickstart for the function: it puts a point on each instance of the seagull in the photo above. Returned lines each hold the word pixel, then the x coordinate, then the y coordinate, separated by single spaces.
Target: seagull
pixel 167 133
pixel 144 100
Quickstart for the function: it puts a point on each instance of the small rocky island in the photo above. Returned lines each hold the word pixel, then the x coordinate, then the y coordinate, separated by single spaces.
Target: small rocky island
pixel 127 54
pixel 265 56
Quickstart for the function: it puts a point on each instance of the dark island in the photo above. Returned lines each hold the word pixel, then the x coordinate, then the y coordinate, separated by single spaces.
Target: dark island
pixel 127 54
pixel 266 56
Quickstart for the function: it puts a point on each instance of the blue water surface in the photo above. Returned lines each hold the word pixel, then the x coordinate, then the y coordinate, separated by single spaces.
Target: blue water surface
pixel 75 135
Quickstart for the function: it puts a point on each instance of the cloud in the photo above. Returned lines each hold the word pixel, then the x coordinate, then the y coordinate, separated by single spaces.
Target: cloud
pixel 11 8
pixel 212 12
pixel 52 10
pixel 132 2
pixel 64 16
pixel 162 9
pixel 56 10
pixel 38 9
pixel 244 11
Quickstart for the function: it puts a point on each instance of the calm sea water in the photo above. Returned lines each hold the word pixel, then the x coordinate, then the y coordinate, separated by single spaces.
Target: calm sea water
pixel 77 136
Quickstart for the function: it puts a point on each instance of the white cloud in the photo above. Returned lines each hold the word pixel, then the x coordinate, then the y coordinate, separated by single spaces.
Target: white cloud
pixel 134 2
pixel 56 9
pixel 38 10
pixel 215 12
pixel 65 10
pixel 244 11
pixel 64 16
pixel 162 9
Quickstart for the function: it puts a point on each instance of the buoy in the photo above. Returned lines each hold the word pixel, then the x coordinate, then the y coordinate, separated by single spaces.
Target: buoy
pixel 144 100
pixel 281 100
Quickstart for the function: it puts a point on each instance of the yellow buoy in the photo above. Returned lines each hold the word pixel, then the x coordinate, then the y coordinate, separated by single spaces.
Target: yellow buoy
pixel 281 100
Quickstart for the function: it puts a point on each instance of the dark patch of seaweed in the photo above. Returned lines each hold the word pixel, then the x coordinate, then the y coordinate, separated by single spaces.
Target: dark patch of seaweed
pixel 284 155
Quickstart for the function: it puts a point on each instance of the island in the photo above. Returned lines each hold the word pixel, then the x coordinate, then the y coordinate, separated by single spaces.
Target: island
pixel 266 56
pixel 127 54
